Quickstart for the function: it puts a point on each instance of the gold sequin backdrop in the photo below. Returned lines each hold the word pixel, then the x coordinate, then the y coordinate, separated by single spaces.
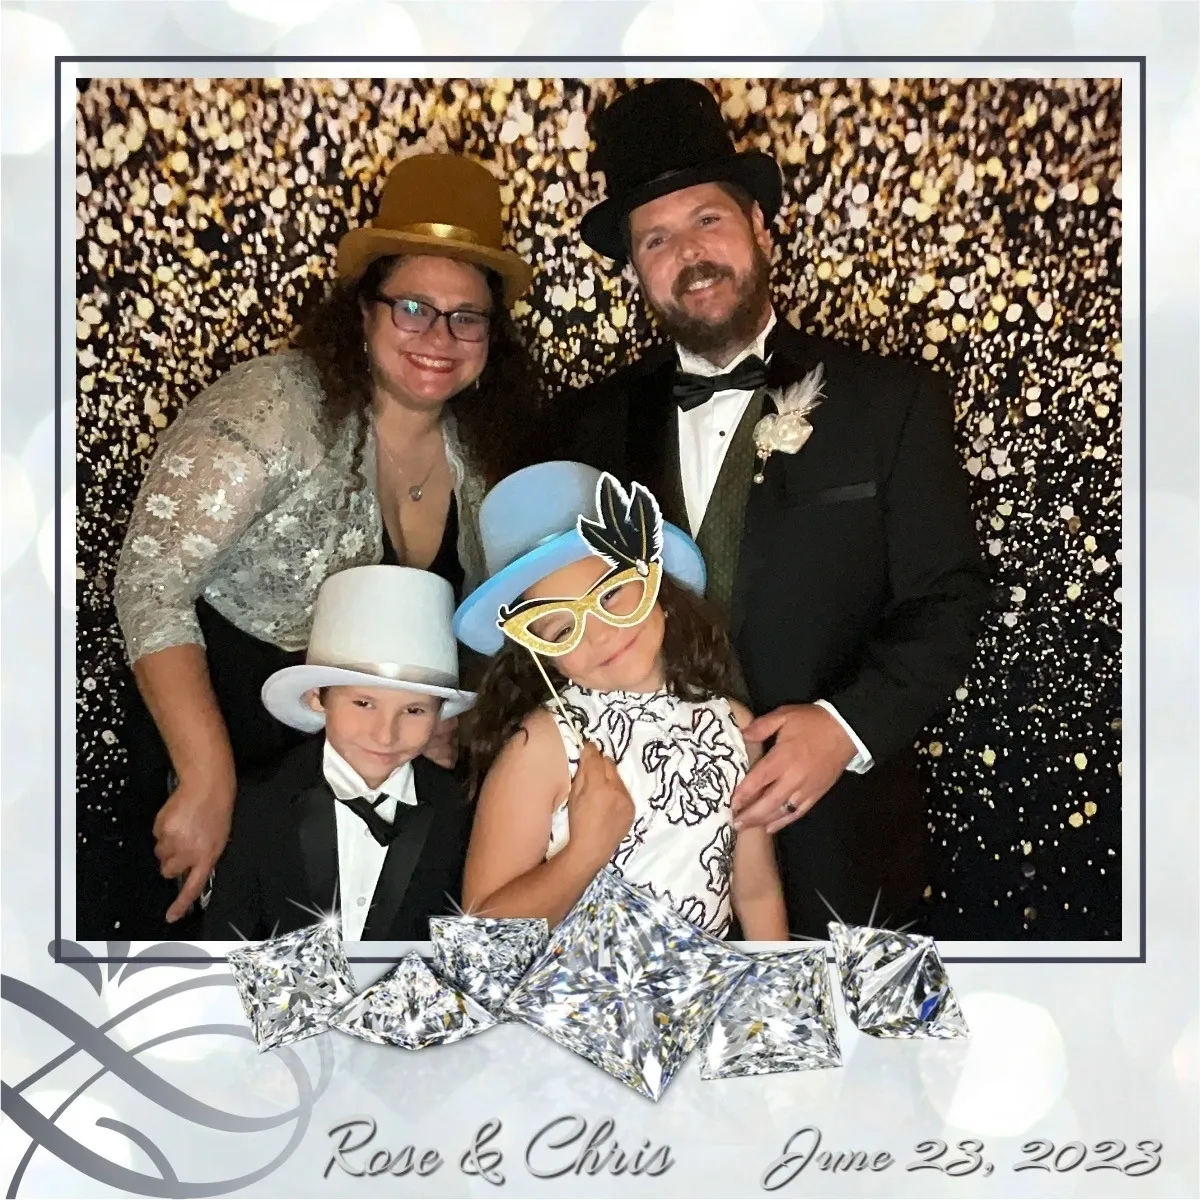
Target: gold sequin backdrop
pixel 974 225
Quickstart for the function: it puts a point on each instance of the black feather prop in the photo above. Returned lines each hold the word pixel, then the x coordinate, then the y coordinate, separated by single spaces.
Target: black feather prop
pixel 628 528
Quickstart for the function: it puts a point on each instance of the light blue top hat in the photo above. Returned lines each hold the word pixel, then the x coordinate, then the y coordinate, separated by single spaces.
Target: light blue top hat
pixel 528 526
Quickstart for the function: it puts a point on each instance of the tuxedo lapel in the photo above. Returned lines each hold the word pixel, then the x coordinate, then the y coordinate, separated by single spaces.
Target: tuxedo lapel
pixel 791 359
pixel 652 440
pixel 404 852
pixel 398 866
pixel 671 498
pixel 316 829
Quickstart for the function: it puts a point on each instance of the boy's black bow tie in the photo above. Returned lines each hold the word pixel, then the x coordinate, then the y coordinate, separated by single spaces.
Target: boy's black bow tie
pixel 693 390
pixel 382 831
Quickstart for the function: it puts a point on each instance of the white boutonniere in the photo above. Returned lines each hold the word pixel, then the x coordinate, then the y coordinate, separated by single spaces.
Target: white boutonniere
pixel 787 429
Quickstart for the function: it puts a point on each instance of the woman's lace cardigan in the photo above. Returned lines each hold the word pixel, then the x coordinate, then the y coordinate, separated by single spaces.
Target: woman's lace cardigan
pixel 252 503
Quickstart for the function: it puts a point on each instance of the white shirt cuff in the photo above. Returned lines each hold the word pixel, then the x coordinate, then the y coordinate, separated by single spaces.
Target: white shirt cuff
pixel 862 761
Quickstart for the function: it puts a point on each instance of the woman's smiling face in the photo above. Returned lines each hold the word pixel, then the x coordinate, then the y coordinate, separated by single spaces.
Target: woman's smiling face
pixel 427 369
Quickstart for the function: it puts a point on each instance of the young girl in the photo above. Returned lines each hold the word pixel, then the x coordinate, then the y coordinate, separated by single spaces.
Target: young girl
pixel 603 731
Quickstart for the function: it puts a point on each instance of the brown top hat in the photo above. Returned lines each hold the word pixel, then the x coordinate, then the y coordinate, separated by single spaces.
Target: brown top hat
pixel 439 204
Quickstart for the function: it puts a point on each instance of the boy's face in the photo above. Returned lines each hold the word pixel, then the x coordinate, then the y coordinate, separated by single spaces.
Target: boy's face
pixel 376 729
pixel 608 658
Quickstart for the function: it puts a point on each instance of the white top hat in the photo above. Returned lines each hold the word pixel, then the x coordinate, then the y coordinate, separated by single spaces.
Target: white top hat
pixel 379 626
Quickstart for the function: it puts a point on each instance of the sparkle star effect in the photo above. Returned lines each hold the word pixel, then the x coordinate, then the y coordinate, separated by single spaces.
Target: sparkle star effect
pixel 291 986
pixel 485 957
pixel 780 1017
pixel 894 984
pixel 412 1008
pixel 628 984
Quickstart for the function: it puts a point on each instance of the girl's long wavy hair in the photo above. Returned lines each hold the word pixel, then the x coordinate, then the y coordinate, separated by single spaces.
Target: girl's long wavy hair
pixel 698 664
pixel 497 418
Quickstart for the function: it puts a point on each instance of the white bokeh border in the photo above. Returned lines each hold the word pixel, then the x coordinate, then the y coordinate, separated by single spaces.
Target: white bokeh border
pixel 1058 1050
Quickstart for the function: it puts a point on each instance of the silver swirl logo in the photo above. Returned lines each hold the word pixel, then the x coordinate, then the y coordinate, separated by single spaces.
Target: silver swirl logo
pixel 114 1059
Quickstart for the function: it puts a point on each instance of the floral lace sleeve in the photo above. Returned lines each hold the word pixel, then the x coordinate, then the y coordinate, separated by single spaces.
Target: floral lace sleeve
pixel 218 467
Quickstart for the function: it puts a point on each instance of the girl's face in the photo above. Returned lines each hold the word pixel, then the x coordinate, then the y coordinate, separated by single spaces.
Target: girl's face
pixel 607 659
pixel 425 369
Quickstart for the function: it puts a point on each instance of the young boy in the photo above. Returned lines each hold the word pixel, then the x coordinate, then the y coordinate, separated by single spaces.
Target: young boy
pixel 355 821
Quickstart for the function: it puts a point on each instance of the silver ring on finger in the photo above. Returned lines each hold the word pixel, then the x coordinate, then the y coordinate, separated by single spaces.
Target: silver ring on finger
pixel 789 806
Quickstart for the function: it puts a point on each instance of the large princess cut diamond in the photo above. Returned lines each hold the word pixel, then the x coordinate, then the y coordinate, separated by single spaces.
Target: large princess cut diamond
pixel 485 957
pixel 411 1007
pixel 894 984
pixel 290 986
pixel 780 1017
pixel 628 984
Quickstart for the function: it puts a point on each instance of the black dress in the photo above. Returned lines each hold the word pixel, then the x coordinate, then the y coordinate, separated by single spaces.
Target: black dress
pixel 120 893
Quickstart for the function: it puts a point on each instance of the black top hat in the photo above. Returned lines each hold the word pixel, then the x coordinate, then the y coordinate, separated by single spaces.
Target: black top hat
pixel 659 138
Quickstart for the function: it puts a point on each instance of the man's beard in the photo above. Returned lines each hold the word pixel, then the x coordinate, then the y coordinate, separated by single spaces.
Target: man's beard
pixel 738 329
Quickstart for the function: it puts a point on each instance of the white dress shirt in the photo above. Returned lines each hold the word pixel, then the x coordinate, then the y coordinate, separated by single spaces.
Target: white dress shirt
pixel 706 430
pixel 704 436
pixel 360 856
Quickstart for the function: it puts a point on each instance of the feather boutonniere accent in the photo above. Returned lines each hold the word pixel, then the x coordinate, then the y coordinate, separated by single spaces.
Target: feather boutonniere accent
pixel 787 429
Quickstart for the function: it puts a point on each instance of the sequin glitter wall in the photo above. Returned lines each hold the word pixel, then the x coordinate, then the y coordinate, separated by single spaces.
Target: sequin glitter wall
pixel 974 225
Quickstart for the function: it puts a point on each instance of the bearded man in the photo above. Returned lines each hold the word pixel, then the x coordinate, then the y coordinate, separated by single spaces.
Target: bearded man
pixel 846 564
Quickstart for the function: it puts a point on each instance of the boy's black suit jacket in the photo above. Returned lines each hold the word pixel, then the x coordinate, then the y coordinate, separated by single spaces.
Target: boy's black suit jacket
pixel 859 581
pixel 281 863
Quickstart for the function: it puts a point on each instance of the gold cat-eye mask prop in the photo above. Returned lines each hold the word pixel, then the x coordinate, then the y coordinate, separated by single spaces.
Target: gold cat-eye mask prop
pixel 628 535
pixel 622 598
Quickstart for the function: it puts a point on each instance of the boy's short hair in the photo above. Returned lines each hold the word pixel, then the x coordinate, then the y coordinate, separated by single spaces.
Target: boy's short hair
pixel 322 692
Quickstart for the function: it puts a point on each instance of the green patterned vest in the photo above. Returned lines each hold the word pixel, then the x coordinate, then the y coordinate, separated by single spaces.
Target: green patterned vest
pixel 720 533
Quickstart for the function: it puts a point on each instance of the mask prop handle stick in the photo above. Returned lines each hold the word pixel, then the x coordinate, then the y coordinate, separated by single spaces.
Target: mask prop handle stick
pixel 562 708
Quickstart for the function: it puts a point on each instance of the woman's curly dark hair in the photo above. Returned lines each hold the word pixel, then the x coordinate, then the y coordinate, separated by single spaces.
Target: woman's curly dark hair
pixel 698 663
pixel 497 419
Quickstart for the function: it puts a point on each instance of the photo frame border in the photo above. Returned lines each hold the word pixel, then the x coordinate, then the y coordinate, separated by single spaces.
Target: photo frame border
pixel 58 947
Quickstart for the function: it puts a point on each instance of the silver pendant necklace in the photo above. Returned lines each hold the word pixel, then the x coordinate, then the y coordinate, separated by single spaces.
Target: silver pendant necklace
pixel 415 490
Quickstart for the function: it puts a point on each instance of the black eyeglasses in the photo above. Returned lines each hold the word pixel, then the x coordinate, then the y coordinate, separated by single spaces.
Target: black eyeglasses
pixel 415 316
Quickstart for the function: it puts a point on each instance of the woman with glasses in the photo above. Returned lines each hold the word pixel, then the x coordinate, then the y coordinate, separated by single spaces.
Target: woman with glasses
pixel 405 396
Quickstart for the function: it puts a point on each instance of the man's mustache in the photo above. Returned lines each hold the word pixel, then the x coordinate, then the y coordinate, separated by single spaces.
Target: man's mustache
pixel 701 272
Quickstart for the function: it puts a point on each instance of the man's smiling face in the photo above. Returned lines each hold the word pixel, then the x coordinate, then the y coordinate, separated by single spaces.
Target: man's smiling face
pixel 703 263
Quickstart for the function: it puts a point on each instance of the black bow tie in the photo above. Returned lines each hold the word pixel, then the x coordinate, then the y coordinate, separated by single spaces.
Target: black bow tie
pixel 382 831
pixel 692 390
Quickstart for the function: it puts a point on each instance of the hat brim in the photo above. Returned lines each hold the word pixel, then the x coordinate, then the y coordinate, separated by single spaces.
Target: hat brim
pixel 602 226
pixel 475 621
pixel 360 247
pixel 283 693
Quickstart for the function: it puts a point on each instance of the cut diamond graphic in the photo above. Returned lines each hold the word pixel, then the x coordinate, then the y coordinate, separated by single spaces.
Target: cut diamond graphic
pixel 894 984
pixel 411 1007
pixel 780 1017
pixel 485 957
pixel 628 984
pixel 290 986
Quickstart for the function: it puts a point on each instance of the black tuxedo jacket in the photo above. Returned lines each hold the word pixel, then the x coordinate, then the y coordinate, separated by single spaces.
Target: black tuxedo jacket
pixel 859 581
pixel 282 859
